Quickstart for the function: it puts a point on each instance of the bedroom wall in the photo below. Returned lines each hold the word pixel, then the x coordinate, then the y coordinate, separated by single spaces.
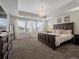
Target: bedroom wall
pixel 62 12
pixel 74 17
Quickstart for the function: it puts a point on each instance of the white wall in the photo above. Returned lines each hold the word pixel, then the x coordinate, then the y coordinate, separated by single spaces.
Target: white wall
pixel 74 17
pixel 61 12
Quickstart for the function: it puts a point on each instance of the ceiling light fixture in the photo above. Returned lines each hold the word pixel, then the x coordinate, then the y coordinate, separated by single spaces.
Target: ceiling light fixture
pixel 41 10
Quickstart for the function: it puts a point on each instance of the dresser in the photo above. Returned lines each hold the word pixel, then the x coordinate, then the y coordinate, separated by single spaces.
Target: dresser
pixel 6 43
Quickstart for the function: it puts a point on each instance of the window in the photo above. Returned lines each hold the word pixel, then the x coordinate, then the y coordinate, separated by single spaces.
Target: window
pixel 3 22
pixel 21 25
pixel 34 26
pixel 30 26
pixel 39 26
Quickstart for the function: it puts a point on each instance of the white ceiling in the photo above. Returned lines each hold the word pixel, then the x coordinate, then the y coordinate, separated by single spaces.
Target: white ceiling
pixel 11 6
pixel 33 6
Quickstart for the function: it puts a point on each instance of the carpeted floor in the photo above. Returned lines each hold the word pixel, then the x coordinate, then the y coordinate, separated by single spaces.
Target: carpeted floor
pixel 33 49
pixel 69 50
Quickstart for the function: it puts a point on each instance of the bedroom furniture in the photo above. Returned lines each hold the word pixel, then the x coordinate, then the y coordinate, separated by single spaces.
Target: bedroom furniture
pixel 76 39
pixel 6 45
pixel 49 39
pixel 5 38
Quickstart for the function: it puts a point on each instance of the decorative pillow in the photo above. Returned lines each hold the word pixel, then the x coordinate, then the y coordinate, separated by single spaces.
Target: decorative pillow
pixel 58 31
pixel 54 31
pixel 63 31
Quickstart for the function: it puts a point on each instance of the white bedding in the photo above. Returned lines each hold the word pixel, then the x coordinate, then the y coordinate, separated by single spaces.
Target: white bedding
pixel 62 38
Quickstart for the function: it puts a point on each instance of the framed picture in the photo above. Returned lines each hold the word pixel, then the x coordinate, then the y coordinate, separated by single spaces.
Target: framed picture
pixel 67 19
pixel 59 20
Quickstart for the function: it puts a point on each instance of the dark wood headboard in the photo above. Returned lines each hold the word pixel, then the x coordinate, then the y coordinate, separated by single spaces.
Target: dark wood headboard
pixel 65 26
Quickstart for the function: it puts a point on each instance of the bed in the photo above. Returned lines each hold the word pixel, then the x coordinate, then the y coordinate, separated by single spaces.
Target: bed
pixel 55 40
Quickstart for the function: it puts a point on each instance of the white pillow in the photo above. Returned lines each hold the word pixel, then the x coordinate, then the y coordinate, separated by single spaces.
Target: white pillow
pixel 54 31
pixel 58 31
pixel 63 32
pixel 66 31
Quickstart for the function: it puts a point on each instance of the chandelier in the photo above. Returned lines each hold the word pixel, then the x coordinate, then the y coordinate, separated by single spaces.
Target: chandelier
pixel 41 10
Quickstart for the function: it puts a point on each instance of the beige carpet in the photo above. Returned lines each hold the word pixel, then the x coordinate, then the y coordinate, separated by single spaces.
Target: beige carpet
pixel 33 49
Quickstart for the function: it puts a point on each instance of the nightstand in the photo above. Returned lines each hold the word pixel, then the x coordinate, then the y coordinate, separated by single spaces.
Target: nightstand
pixel 76 39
